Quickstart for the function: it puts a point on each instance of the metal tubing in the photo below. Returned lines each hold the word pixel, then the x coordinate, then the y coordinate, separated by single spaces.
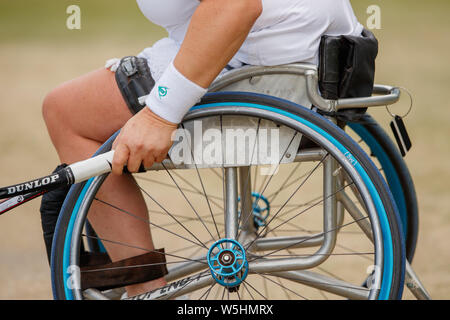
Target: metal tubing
pixel 340 206
pixel 329 234
pixel 387 95
pixel 325 283
pixel 377 101
pixel 356 214
pixel 184 269
pixel 193 284
pixel 312 89
pixel 330 198
pixel 231 203
pixel 315 154
pixel 414 285
pixel 245 188
pixel 94 294
pixel 255 71
pixel 276 243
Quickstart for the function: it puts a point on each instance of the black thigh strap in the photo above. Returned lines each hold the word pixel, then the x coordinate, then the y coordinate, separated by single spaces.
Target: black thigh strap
pixel 98 272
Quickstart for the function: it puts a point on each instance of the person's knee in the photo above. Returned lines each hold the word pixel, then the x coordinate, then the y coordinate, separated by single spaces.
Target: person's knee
pixel 51 109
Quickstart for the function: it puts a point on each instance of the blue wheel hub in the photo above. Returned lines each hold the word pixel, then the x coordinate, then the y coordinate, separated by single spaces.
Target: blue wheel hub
pixel 227 262
pixel 260 209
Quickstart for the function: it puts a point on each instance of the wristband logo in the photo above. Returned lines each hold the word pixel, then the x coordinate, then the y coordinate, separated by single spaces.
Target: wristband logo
pixel 162 91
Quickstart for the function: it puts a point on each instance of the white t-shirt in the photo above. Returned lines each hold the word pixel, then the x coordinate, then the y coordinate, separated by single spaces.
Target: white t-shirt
pixel 287 31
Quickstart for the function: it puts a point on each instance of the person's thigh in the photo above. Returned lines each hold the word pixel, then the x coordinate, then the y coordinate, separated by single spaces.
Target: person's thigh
pixel 80 115
pixel 89 107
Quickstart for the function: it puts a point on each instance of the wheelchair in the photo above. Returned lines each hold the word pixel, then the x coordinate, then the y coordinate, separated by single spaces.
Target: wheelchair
pixel 265 195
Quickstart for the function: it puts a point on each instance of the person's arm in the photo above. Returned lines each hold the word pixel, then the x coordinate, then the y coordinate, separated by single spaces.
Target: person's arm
pixel 216 32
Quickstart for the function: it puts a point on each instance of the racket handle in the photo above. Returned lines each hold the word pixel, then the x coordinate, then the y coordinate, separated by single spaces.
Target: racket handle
pixel 74 173
pixel 47 183
pixel 92 167
pixel 96 166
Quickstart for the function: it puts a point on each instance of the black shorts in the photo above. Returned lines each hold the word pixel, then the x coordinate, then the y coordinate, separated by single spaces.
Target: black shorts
pixel 134 80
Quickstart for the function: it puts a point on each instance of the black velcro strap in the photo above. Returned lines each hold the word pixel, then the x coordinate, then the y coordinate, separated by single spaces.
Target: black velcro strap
pixel 134 80
pixel 103 276
pixel 51 204
pixel 91 259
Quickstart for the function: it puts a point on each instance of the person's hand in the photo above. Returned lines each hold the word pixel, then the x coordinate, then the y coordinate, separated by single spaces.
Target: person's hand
pixel 146 138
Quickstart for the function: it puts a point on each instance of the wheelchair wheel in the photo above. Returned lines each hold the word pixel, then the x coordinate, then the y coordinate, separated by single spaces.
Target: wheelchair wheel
pixel 316 223
pixel 386 155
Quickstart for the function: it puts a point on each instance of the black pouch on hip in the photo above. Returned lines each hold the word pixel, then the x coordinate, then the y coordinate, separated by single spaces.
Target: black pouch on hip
pixel 135 81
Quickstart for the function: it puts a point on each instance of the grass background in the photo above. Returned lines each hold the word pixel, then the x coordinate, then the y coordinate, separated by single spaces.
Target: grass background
pixel 37 52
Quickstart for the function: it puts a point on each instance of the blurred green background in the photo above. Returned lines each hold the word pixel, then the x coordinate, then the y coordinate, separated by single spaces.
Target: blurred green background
pixel 37 20
pixel 37 52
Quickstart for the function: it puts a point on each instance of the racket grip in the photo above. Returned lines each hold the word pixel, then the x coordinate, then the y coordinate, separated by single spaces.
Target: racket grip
pixel 92 167
pixel 74 173
pixel 98 165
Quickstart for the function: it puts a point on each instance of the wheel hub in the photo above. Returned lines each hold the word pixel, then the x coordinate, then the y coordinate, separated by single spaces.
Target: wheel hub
pixel 228 263
pixel 226 258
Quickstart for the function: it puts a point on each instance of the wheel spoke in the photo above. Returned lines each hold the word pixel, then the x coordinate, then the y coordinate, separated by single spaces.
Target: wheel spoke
pixel 202 185
pixel 282 286
pixel 247 180
pixel 305 210
pixel 268 182
pixel 200 276
pixel 245 287
pixel 330 285
pixel 290 197
pixel 308 238
pixel 254 289
pixel 207 292
pixel 283 186
pixel 185 219
pixel 194 190
pixel 171 215
pixel 190 204
pixel 149 222
pixel 198 191
pixel 140 248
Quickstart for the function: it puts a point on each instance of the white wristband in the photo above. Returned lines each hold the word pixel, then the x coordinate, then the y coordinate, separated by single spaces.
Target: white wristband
pixel 173 95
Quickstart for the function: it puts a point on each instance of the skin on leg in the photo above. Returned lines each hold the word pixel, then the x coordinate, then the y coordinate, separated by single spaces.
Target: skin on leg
pixel 80 115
